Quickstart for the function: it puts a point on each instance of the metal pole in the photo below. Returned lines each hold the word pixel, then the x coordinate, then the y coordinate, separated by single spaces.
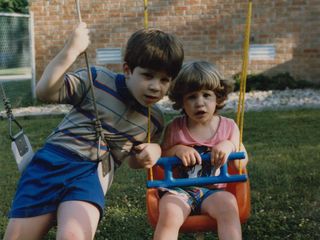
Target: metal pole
pixel 33 61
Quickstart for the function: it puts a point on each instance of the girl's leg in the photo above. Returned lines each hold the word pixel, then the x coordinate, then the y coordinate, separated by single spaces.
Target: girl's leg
pixel 223 207
pixel 32 228
pixel 77 220
pixel 173 210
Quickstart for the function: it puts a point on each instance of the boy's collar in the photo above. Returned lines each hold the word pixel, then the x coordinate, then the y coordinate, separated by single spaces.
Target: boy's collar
pixel 125 94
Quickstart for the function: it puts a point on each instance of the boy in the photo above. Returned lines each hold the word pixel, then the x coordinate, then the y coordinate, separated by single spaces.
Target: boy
pixel 63 182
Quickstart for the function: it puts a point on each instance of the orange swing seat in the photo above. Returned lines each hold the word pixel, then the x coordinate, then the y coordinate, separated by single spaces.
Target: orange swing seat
pixel 200 223
pixel 241 190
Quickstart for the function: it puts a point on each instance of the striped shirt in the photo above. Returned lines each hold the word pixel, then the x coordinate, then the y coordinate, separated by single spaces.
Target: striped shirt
pixel 124 120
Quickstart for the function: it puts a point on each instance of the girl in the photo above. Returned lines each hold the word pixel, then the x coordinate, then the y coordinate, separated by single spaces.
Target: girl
pixel 199 91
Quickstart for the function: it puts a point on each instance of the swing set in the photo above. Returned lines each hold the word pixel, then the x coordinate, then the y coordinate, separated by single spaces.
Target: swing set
pixel 161 174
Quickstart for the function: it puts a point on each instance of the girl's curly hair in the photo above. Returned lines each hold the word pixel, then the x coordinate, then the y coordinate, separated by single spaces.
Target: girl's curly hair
pixel 198 75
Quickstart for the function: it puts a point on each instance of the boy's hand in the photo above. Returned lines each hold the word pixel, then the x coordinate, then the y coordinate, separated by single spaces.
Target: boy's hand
pixel 147 154
pixel 188 155
pixel 51 81
pixel 79 40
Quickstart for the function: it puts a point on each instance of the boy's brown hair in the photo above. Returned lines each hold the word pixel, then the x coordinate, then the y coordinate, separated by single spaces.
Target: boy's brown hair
pixel 198 75
pixel 156 50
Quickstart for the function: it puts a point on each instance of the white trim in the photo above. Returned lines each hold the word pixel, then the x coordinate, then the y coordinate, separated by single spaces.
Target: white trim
pixel 262 52
pixel 14 14
pixel 4 78
pixel 33 55
pixel 108 56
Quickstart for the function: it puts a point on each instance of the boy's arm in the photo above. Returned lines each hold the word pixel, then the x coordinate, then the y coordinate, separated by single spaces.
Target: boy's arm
pixel 51 80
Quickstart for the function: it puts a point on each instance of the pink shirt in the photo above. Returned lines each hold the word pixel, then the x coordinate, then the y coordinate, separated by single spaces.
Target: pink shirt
pixel 178 133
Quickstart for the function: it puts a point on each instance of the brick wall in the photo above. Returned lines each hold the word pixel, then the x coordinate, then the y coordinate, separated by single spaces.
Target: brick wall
pixel 210 29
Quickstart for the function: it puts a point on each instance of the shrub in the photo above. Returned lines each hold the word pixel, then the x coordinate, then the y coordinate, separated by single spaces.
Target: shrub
pixel 280 81
pixel 18 6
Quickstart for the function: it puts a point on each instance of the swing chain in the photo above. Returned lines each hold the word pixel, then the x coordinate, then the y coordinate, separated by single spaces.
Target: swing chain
pixel 96 120
pixel 6 103
pixel 8 108
pixel 99 135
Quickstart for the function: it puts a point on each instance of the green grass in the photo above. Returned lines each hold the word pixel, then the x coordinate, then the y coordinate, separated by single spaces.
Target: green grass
pixel 19 94
pixel 284 151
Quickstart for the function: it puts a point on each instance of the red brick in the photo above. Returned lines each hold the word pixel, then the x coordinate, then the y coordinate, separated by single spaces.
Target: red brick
pixel 209 29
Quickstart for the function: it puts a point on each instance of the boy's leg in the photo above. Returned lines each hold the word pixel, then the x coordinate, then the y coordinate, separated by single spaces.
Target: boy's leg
pixel 223 207
pixel 77 220
pixel 32 228
pixel 173 210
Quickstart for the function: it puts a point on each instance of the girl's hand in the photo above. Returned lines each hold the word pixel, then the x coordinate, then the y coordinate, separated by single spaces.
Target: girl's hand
pixel 188 155
pixel 218 158
pixel 220 153
pixel 79 40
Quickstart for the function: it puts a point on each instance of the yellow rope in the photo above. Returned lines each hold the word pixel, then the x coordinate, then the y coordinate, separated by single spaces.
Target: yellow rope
pixel 145 12
pixel 149 125
pixel 149 108
pixel 243 79
pixel 149 138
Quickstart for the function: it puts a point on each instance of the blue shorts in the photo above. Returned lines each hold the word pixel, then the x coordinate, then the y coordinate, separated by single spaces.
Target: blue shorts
pixel 193 196
pixel 56 175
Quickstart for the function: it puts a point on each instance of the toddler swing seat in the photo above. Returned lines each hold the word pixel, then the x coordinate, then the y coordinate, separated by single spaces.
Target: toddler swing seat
pixel 237 186
pixel 201 223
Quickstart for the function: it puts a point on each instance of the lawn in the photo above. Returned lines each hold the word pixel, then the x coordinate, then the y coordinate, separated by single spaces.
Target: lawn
pixel 284 151
pixel 19 93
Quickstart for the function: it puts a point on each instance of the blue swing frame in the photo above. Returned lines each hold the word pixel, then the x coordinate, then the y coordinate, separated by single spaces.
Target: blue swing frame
pixel 169 181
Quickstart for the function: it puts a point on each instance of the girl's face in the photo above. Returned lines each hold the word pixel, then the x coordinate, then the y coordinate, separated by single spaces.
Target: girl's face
pixel 200 105
pixel 146 85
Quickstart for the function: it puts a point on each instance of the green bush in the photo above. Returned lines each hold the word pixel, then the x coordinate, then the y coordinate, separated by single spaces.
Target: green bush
pixel 18 6
pixel 280 81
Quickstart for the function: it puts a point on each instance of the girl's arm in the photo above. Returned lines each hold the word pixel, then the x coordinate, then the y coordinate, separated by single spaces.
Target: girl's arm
pixel 222 150
pixel 243 162
pixel 235 138
pixel 187 154
pixel 51 80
